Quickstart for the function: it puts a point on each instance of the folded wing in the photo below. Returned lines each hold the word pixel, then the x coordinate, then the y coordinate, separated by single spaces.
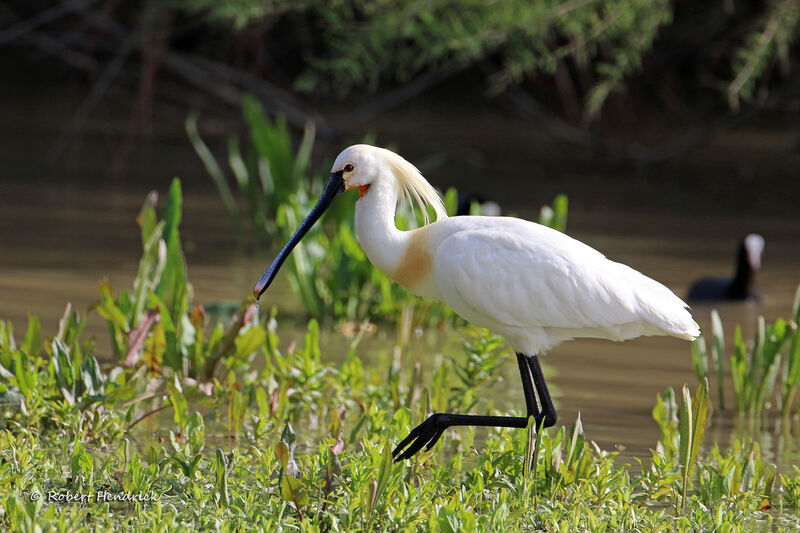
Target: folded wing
pixel 521 274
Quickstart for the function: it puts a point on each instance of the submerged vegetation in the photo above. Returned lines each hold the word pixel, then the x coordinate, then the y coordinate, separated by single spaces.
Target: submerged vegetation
pixel 327 271
pixel 193 425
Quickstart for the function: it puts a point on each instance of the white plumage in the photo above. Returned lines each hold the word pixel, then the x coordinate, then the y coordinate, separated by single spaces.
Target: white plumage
pixel 533 285
pixel 538 287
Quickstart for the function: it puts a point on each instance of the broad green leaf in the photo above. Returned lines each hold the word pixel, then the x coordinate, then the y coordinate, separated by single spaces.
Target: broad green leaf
pixel 25 375
pixel 293 490
pixel 108 308
pixel 151 265
pixel 172 286
pixel 91 376
pixel 249 342
pixel 82 462
pixel 195 432
pixel 282 452
pixel 147 216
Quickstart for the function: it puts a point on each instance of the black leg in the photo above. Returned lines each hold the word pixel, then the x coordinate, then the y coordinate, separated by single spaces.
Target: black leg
pixel 548 410
pixel 430 431
pixel 527 386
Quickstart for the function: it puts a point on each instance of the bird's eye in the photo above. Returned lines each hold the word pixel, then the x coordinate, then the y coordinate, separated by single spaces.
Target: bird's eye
pixel 348 167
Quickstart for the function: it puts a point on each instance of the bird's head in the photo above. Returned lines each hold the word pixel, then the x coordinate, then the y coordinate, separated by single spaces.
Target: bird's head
pixel 753 247
pixel 360 167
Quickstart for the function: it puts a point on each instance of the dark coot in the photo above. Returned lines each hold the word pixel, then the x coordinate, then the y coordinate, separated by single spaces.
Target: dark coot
pixel 742 286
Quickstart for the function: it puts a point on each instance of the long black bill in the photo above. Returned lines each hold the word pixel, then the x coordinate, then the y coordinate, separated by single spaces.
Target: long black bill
pixel 334 188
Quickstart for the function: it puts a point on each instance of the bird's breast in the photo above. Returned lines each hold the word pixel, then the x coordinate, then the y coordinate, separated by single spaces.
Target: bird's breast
pixel 414 268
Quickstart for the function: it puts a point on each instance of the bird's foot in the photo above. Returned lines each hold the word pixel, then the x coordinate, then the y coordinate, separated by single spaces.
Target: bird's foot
pixel 426 434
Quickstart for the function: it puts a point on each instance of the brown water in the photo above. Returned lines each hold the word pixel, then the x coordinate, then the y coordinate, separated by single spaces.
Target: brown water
pixel 62 230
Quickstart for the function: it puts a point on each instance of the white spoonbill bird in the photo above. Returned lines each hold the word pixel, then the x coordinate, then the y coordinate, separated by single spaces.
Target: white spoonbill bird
pixel 531 284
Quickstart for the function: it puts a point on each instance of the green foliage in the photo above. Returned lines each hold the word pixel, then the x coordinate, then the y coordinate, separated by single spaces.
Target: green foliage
pixel 791 382
pixel 691 427
pixel 754 376
pixel 742 473
pixel 158 299
pixel 69 427
pixel 152 326
pixel 756 371
pixel 397 41
pixel 665 413
pixel 361 46
pixel 555 216
pixel 791 488
pixel 273 481
pixel 768 42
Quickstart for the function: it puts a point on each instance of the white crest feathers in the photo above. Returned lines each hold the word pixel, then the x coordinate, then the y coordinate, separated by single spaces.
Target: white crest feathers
pixel 413 185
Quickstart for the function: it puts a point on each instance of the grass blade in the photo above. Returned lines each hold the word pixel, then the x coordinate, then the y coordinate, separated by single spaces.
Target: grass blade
pixel 717 354
pixel 700 358
pixel 792 382
pixel 214 170
pixel 685 428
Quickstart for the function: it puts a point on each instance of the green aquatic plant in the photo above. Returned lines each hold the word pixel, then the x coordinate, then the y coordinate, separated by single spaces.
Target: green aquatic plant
pixel 151 324
pixel 741 472
pixel 555 216
pixel 761 373
pixel 791 381
pixel 691 429
pixel 754 374
pixel 298 442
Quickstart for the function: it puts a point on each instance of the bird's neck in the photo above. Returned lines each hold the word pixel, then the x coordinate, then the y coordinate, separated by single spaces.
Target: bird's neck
pixel 377 233
pixel 743 282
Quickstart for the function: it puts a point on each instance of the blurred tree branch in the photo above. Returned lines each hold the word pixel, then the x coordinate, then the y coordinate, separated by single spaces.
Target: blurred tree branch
pixel 379 54
pixel 780 29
